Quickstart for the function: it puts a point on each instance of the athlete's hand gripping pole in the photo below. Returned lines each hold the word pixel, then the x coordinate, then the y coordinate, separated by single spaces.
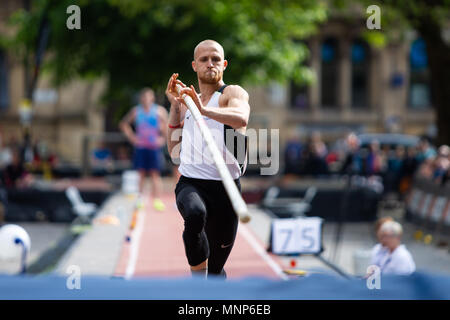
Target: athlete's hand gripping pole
pixel 238 203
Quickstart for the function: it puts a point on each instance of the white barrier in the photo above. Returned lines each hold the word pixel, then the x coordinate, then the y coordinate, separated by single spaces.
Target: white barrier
pixel 425 207
pixel 130 182
pixel 414 200
pixel 437 212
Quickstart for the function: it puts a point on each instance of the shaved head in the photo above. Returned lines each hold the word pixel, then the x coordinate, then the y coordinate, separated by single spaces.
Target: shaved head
pixel 209 43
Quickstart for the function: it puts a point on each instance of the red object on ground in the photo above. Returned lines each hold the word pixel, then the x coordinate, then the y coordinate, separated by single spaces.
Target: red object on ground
pixel 293 263
pixel 161 249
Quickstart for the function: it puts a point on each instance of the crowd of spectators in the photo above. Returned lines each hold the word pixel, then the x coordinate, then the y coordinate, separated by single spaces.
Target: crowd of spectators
pixel 19 161
pixel 396 164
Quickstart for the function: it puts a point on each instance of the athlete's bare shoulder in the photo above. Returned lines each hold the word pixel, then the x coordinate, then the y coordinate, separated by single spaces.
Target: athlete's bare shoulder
pixel 235 91
pixel 232 92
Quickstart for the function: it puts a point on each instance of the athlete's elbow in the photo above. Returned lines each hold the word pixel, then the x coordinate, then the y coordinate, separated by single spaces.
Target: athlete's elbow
pixel 169 149
pixel 242 122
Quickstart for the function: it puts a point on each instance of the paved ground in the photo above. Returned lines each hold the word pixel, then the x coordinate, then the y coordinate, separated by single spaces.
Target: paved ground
pixel 156 248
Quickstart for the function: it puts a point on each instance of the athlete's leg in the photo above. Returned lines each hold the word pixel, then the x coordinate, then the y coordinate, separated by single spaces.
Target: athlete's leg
pixel 142 175
pixel 157 190
pixel 221 233
pixel 154 167
pixel 156 183
pixel 193 210
pixel 139 162
pixel 221 229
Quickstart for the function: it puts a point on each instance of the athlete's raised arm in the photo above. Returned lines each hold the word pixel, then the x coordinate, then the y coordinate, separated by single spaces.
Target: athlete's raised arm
pixel 176 114
pixel 234 107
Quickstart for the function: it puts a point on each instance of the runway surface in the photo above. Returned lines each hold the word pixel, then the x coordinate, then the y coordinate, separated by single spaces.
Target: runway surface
pixel 156 248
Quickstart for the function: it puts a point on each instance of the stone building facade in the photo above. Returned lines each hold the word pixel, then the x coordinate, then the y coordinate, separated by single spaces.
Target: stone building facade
pixel 357 88
pixel 61 116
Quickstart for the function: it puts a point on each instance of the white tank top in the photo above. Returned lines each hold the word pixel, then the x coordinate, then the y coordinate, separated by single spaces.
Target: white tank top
pixel 195 159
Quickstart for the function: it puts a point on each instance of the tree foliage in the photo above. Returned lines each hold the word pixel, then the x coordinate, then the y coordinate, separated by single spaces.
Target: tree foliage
pixel 137 43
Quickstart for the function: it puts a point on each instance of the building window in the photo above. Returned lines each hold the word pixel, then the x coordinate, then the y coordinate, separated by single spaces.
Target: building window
pixel 299 93
pixel 419 81
pixel 4 94
pixel 329 73
pixel 299 97
pixel 360 73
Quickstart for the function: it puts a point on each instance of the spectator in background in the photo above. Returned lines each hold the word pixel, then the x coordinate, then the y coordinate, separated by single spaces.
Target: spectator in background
pixel 352 162
pixel 5 154
pixel 102 159
pixel 292 155
pixel 150 121
pixel 316 152
pixel 446 177
pixel 409 167
pixel 2 213
pixel 15 175
pixel 394 168
pixel 378 249
pixel 385 155
pixel 426 168
pixel 425 151
pixel 378 225
pixel 390 255
pixel 43 159
pixel 41 153
pixel 317 145
pixel 441 165
pixel 425 158
pixel 373 161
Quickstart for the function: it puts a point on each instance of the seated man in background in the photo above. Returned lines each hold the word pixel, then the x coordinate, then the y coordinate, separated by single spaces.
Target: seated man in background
pixel 5 154
pixel 15 175
pixel 102 159
pixel 390 255
pixel 378 225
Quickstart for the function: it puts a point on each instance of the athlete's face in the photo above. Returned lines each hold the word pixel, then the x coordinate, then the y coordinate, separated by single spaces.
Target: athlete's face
pixel 209 63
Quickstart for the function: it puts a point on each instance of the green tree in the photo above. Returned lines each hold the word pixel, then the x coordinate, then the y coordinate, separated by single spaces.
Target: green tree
pixel 137 43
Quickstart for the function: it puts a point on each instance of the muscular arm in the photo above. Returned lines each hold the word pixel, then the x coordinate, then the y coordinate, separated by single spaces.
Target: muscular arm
pixel 176 116
pixel 163 117
pixel 234 108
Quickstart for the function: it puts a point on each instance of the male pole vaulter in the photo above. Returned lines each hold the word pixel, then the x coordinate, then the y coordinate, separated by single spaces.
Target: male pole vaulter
pixel 210 223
